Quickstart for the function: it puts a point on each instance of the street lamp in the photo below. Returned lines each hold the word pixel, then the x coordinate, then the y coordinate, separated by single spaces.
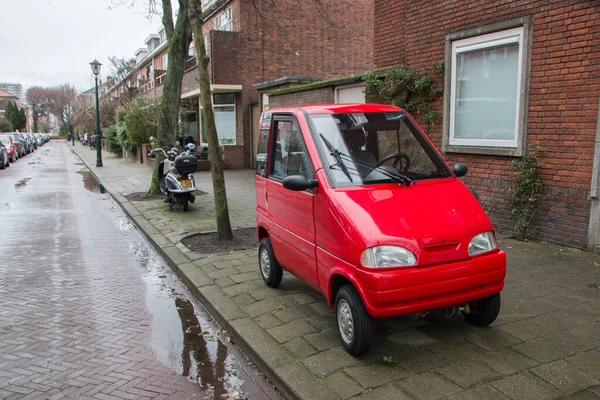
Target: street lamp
pixel 96 71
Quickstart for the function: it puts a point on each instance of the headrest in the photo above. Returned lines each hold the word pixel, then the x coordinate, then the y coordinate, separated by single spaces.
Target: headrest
pixel 354 138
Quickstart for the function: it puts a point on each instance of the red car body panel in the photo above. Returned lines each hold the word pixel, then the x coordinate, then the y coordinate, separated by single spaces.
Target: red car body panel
pixel 12 148
pixel 320 236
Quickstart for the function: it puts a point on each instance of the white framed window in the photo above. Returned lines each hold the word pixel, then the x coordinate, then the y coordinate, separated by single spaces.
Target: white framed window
pixel 165 61
pixel 486 75
pixel 207 3
pixel 223 21
pixel 224 109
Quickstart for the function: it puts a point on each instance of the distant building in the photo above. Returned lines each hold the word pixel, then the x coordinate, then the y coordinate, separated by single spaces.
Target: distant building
pixel 5 98
pixel 14 88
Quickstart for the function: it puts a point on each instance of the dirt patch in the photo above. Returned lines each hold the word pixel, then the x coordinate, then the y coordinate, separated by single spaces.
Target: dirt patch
pixel 207 243
pixel 143 196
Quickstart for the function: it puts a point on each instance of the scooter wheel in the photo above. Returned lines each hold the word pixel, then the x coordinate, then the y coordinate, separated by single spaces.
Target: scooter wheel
pixel 185 204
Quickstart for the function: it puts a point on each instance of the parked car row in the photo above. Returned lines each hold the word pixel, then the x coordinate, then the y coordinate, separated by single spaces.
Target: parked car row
pixel 14 145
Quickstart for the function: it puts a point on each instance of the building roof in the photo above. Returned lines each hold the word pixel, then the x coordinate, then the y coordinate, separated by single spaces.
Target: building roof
pixel 6 93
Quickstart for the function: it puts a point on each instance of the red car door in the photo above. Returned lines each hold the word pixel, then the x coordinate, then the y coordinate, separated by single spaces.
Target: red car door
pixel 291 212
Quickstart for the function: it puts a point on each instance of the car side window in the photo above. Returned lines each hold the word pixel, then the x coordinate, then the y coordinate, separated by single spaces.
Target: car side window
pixel 289 151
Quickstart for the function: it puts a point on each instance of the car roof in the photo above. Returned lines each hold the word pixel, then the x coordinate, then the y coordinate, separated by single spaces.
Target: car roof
pixel 340 108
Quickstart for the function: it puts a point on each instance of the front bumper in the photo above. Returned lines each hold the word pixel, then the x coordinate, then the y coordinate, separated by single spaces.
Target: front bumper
pixel 412 290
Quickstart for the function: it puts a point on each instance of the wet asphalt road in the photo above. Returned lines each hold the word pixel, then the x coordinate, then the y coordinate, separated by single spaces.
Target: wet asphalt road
pixel 88 309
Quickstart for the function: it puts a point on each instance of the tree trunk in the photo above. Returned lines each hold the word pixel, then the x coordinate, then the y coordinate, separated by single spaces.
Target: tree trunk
pixel 168 114
pixel 214 149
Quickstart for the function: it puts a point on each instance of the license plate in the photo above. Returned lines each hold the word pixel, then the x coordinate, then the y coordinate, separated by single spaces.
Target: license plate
pixel 186 183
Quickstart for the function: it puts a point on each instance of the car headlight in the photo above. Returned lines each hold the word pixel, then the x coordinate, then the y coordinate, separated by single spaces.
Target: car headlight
pixel 387 256
pixel 483 242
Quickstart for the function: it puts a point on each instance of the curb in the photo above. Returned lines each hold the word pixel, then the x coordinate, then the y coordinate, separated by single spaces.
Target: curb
pixel 283 387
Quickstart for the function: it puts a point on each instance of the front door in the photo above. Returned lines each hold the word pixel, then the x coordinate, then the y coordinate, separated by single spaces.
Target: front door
pixel 291 212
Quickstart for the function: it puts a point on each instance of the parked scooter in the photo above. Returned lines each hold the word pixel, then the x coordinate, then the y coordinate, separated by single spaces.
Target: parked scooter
pixel 176 177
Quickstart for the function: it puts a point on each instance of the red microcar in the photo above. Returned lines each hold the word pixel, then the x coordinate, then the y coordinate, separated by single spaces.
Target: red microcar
pixel 355 201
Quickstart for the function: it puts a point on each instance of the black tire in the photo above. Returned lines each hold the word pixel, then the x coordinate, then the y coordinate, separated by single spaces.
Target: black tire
pixel 14 159
pixel 357 337
pixel 3 165
pixel 270 270
pixel 185 205
pixel 484 311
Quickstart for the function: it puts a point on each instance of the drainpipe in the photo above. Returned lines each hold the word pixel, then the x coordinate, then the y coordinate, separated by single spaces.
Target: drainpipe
pixel 594 227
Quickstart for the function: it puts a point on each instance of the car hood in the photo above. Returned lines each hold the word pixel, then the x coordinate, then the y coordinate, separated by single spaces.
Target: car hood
pixel 436 220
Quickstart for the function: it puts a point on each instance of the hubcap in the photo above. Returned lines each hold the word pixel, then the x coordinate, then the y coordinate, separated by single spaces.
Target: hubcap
pixel 345 321
pixel 265 263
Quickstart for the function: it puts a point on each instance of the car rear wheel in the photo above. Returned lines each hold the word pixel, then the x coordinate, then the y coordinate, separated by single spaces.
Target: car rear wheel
pixel 355 325
pixel 485 311
pixel 270 270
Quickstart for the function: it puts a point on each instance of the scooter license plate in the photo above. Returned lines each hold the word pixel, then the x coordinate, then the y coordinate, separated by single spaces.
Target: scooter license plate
pixel 186 183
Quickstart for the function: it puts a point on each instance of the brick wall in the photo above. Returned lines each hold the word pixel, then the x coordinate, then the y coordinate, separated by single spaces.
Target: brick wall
pixel 317 96
pixel 297 38
pixel 563 97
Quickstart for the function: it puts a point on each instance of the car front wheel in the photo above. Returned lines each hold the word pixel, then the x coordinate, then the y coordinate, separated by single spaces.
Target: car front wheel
pixel 355 325
pixel 483 312
pixel 270 270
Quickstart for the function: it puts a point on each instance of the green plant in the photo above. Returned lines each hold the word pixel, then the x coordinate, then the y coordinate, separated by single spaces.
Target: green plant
pixel 114 146
pixel 5 125
pixel 141 122
pixel 387 359
pixel 526 192
pixel 406 88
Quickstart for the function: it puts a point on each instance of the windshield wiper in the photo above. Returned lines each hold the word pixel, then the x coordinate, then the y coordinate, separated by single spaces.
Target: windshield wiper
pixel 398 177
pixel 337 156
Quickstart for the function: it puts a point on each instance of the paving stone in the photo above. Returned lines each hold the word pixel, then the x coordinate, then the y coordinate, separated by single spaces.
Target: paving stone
pixel 247 286
pixel 526 386
pixel 222 303
pixel 322 308
pixel 176 255
pixel 244 299
pixel 411 337
pixel 224 282
pixel 286 332
pixel 556 321
pixel 525 330
pixel 542 350
pixel 576 342
pixel 428 386
pixel 267 321
pixel 303 384
pixel 343 386
pixel 416 361
pixel 248 276
pixel 387 392
pixel 565 376
pixel 195 275
pixel 483 392
pixel 220 273
pixel 585 395
pixel 492 339
pixel 227 264
pixel 469 373
pixel 293 313
pixel 329 361
pixel 507 362
pixel 371 376
pixel 322 322
pixel 242 269
pixel 299 348
pixel 265 293
pixel 456 349
pixel 262 307
pixel 587 361
pixel 298 298
pixel 262 344
pixel 324 340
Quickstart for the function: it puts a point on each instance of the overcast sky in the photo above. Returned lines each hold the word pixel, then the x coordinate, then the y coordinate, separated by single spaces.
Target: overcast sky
pixel 50 42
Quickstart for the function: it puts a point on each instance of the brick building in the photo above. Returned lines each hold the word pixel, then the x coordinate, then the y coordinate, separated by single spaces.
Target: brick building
pixel 518 73
pixel 253 42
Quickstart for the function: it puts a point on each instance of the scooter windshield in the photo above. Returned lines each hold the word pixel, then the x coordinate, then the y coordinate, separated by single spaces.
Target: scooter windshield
pixel 374 148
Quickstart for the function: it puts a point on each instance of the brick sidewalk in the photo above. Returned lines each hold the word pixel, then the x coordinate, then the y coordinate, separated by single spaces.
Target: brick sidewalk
pixel 544 344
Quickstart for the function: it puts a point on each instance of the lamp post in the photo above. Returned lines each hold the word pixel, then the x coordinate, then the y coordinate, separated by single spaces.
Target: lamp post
pixel 96 71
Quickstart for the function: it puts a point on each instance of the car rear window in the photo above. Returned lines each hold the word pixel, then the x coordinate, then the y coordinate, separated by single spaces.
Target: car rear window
pixel 4 139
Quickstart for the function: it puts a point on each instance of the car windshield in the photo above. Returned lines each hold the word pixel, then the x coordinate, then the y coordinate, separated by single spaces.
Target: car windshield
pixel 4 139
pixel 370 148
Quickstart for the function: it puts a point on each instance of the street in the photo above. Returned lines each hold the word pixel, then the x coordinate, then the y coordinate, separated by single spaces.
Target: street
pixel 88 309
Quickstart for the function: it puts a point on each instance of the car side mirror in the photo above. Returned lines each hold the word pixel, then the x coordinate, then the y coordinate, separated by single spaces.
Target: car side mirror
pixel 299 182
pixel 460 169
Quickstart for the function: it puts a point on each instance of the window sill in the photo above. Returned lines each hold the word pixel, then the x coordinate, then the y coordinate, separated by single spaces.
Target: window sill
pixel 484 150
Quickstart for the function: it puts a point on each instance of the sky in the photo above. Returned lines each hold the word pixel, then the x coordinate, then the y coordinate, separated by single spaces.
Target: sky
pixel 51 42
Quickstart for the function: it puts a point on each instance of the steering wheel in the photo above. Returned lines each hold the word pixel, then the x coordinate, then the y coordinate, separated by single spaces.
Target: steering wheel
pixel 400 159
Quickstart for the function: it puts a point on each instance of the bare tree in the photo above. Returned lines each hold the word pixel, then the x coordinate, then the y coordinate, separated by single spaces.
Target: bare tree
pixel 37 98
pixel 61 100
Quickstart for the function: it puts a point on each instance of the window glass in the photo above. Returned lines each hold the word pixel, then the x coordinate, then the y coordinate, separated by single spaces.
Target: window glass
pixel 225 121
pixel 290 156
pixel 223 21
pixel 486 93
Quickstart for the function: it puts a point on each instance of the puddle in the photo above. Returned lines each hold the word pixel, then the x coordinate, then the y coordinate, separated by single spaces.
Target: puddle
pixel 90 182
pixel 21 183
pixel 185 340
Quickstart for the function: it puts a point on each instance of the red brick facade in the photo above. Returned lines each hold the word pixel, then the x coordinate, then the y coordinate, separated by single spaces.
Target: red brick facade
pixel 562 103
